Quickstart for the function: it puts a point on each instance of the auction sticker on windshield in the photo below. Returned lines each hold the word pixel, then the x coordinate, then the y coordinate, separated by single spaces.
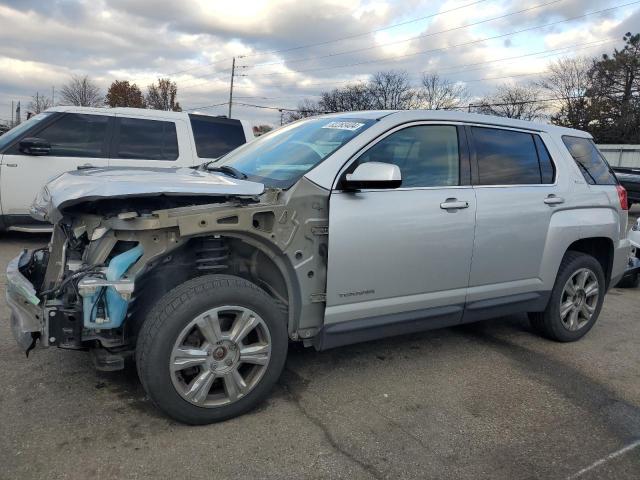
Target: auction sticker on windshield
pixel 344 125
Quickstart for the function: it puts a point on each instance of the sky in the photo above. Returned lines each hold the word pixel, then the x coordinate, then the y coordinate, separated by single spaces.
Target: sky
pixel 289 50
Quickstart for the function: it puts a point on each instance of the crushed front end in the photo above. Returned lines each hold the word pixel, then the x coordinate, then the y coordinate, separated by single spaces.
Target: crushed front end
pixel 59 297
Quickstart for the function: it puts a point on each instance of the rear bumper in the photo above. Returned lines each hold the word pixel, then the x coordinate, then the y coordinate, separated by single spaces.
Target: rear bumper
pixel 26 311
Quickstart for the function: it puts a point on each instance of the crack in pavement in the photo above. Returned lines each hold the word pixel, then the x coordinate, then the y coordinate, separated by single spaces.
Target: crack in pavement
pixel 289 381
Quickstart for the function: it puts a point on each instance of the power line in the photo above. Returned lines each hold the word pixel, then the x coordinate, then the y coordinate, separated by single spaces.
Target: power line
pixel 452 46
pixel 327 42
pixel 350 37
pixel 395 42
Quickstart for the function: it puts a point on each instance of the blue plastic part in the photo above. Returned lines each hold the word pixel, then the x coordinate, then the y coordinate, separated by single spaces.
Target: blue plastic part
pixel 116 306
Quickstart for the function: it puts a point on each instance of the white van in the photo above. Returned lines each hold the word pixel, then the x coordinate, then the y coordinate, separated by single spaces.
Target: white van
pixel 68 138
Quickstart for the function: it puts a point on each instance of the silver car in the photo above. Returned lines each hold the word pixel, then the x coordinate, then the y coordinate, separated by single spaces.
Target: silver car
pixel 329 231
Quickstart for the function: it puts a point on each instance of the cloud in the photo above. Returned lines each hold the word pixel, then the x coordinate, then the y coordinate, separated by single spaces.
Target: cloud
pixel 42 43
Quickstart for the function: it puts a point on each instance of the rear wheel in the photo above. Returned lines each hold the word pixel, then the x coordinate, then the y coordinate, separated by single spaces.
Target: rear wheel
pixel 211 349
pixel 576 299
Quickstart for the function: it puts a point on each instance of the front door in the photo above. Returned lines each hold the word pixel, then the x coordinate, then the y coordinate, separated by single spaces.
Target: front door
pixel 403 254
pixel 75 139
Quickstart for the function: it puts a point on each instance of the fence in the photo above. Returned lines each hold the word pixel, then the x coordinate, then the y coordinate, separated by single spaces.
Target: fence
pixel 621 155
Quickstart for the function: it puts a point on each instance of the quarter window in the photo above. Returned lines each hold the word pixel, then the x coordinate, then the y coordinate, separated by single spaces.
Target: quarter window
pixel 146 140
pixel 506 157
pixel 77 135
pixel 428 155
pixel 216 136
pixel 592 164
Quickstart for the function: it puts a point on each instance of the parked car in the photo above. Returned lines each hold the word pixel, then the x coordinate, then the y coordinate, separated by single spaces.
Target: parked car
pixel 630 179
pixel 329 231
pixel 67 138
pixel 631 277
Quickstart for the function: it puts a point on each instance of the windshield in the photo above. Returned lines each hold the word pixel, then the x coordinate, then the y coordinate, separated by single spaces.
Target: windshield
pixel 280 158
pixel 16 131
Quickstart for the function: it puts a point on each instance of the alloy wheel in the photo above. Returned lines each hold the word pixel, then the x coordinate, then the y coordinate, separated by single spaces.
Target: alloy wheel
pixel 220 356
pixel 579 299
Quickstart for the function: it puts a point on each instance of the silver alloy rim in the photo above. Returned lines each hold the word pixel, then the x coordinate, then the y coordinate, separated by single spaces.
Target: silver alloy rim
pixel 220 356
pixel 579 299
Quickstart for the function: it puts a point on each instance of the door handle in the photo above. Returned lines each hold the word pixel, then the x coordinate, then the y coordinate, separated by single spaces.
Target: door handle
pixel 85 166
pixel 10 164
pixel 453 204
pixel 553 200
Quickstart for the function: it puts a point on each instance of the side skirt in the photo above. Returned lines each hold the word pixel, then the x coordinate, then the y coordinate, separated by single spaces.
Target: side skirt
pixel 374 328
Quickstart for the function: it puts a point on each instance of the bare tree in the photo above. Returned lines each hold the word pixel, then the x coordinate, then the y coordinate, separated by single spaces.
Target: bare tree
pixel 306 108
pixel 437 93
pixel 352 97
pixel 569 81
pixel 518 101
pixel 39 103
pixel 163 96
pixel 81 92
pixel 391 90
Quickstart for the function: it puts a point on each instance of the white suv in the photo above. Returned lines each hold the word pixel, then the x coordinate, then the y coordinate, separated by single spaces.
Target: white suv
pixel 68 138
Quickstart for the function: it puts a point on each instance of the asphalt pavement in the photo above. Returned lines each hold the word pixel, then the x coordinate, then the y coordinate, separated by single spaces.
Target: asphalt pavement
pixel 488 400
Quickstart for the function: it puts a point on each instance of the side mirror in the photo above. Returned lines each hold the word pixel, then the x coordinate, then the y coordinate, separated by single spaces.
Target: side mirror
pixel 34 146
pixel 373 175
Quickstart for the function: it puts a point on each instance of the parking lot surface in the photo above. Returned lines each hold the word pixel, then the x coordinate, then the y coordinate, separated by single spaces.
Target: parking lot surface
pixel 488 400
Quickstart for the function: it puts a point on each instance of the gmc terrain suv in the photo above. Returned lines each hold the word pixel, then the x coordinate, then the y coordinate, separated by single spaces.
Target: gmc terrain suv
pixel 331 230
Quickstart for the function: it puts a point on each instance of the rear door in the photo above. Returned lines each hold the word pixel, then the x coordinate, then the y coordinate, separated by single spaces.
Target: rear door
pixel 139 141
pixel 517 193
pixel 403 254
pixel 76 140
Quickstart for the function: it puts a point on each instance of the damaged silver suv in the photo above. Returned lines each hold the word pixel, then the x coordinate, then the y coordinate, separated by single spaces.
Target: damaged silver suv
pixel 330 231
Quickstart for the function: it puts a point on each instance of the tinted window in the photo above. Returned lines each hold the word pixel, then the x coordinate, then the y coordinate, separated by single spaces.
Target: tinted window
pixel 9 136
pixel 427 155
pixel 506 157
pixel 77 135
pixel 547 169
pixel 147 139
pixel 592 164
pixel 215 137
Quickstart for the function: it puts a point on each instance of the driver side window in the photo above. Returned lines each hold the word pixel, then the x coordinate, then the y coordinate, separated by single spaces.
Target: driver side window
pixel 427 155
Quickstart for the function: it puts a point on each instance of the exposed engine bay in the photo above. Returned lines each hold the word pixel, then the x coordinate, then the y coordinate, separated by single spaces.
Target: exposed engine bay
pixel 111 259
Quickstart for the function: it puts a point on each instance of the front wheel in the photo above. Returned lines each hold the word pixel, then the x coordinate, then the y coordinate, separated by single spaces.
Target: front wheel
pixel 576 299
pixel 211 349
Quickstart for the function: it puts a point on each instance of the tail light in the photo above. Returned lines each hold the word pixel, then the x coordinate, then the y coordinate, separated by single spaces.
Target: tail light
pixel 622 195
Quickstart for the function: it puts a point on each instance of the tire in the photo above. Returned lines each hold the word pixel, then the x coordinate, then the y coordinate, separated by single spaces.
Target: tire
pixel 217 326
pixel 562 328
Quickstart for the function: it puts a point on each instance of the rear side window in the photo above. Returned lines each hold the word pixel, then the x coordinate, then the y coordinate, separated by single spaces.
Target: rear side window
pixel 216 136
pixel 507 157
pixel 592 164
pixel 146 140
pixel 77 135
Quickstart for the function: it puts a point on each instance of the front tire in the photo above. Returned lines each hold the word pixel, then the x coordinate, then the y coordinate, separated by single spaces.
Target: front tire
pixel 211 349
pixel 576 299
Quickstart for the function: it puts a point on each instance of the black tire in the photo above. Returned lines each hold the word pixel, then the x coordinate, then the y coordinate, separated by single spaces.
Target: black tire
pixel 548 322
pixel 173 313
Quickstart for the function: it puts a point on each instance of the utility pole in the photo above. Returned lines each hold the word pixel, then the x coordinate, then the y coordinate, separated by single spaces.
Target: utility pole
pixel 233 73
pixel 53 95
pixel 11 114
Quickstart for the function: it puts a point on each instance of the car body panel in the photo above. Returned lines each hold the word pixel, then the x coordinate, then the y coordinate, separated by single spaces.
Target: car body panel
pixel 380 254
pixel 101 183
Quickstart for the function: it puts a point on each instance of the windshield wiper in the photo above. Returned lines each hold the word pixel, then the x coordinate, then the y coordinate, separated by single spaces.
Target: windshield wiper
pixel 229 170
